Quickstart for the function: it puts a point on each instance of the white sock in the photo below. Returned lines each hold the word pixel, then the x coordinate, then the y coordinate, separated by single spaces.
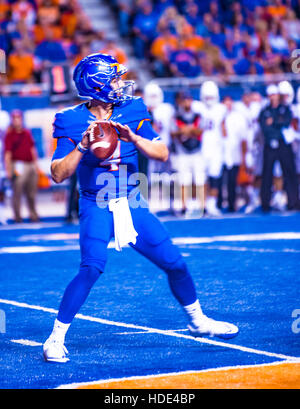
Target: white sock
pixel 194 313
pixel 59 331
pixel 2 217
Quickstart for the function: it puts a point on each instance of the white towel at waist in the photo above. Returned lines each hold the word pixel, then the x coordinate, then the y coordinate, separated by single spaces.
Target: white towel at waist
pixel 123 225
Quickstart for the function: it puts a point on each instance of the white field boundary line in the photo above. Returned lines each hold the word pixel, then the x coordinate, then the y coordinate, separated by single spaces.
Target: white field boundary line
pixel 177 240
pixel 244 249
pixel 37 249
pixel 31 226
pixel 180 241
pixel 155 331
pixel 75 247
pixel 238 238
pixel 144 377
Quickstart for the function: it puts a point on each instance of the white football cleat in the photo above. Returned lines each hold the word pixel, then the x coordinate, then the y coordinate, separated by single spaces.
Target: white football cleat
pixel 55 351
pixel 211 327
pixel 250 208
pixel 211 207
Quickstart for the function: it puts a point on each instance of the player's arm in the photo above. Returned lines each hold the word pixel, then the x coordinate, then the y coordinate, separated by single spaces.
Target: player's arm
pixel 64 167
pixel 153 149
pixel 68 154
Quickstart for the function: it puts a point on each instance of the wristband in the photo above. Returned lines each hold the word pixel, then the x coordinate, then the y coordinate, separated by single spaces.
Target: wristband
pixel 81 148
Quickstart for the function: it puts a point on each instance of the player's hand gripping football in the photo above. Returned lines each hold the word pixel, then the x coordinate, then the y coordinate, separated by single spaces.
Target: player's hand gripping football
pixel 86 136
pixel 125 133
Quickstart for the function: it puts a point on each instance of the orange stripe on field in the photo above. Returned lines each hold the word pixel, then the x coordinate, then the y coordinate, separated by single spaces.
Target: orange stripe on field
pixel 281 376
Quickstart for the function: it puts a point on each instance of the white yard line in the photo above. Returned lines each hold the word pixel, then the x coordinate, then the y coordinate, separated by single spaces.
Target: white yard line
pixel 149 332
pixel 26 342
pixel 155 331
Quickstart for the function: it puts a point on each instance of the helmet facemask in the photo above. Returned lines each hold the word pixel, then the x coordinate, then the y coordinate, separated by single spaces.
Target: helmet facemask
pixel 124 93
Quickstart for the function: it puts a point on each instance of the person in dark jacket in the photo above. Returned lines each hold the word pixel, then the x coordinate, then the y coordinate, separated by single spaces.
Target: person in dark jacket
pixel 274 119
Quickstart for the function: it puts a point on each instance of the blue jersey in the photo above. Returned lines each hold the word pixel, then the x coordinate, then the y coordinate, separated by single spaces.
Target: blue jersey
pixel 115 175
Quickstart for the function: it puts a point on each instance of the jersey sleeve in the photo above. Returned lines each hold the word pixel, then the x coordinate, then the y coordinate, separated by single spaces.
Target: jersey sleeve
pixel 64 144
pixel 146 131
pixel 59 126
pixel 63 148
pixel 143 125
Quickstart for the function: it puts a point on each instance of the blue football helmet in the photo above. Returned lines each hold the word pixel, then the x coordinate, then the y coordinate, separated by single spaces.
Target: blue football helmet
pixel 93 76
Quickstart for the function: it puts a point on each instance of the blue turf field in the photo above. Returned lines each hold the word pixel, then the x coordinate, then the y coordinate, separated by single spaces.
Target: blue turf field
pixel 245 273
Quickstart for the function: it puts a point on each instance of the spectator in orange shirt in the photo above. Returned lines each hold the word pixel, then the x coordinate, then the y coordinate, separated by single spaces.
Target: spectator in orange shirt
pixel 20 63
pixel 68 21
pixel 39 32
pixel 190 40
pixel 4 7
pixel 112 49
pixel 84 51
pixel 48 12
pixel 277 9
pixel 163 44
pixel 161 48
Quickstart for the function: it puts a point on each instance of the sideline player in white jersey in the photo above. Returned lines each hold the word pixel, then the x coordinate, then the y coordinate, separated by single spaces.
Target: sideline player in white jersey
pixel 162 121
pixel 188 159
pixel 235 135
pixel 212 114
pixel 250 107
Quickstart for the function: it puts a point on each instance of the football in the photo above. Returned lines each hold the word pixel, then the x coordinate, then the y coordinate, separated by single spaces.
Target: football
pixel 103 140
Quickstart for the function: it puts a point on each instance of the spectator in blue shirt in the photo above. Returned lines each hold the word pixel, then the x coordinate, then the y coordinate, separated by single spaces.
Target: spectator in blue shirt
pixel 231 49
pixel 184 62
pixel 252 4
pixel 144 29
pixel 204 27
pixel 217 36
pixel 162 5
pixel 248 65
pixel 50 50
pixel 191 14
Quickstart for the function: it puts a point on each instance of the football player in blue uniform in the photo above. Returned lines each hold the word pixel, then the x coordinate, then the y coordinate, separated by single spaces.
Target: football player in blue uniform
pixel 110 204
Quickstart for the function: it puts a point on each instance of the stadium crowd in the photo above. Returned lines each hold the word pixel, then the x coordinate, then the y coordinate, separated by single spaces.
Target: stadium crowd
pixel 178 38
pixel 217 37
pixel 36 34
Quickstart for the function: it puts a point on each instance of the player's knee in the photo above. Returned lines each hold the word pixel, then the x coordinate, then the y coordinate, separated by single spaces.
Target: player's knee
pixel 171 261
pixel 90 274
pixel 177 270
